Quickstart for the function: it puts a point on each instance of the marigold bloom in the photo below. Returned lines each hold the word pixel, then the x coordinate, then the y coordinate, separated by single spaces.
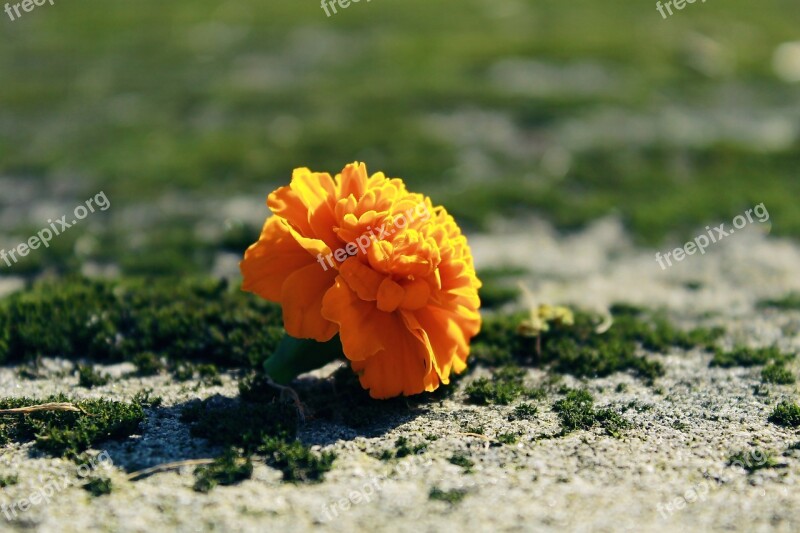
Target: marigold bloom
pixel 361 256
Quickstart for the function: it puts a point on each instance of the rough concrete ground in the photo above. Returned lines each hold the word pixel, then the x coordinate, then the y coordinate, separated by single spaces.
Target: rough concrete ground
pixel 668 472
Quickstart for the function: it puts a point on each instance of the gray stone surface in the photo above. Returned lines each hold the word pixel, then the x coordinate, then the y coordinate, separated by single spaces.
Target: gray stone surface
pixel 668 473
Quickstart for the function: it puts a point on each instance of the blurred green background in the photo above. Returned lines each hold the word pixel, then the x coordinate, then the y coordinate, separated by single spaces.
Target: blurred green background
pixel 188 113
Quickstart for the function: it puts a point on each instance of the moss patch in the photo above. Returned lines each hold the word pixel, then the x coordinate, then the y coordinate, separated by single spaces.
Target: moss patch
pixel 99 486
pixel 88 377
pixel 67 434
pixel 789 302
pixel 778 374
pixel 524 411
pixel 463 461
pixel 746 357
pixel 752 460
pixel 139 321
pixel 297 462
pixel 786 414
pixel 258 429
pixel 228 469
pixel 499 286
pixel 505 386
pixel 577 411
pixel 583 352
pixel 452 496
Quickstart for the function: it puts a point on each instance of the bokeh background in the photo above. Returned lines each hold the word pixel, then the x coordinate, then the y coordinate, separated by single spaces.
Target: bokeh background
pixel 188 113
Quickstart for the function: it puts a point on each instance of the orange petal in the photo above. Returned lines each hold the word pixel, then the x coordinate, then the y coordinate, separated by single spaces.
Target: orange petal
pixel 390 295
pixel 272 259
pixel 301 296
pixel 353 180
pixel 403 368
pixel 449 332
pixel 417 294
pixel 361 278
pixel 361 325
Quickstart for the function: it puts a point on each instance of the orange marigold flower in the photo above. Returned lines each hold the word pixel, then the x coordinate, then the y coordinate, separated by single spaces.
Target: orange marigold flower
pixel 361 256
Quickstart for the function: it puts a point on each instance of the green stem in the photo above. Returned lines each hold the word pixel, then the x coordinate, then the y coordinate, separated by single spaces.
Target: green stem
pixel 297 356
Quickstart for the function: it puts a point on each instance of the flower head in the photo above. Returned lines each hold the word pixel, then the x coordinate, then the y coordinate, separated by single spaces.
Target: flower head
pixel 361 256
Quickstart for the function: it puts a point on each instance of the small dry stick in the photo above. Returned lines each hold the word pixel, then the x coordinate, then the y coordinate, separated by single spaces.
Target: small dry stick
pixel 288 393
pixel 167 467
pixel 68 407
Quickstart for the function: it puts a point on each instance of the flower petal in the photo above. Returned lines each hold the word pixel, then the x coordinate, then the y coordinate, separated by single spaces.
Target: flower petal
pixel 301 296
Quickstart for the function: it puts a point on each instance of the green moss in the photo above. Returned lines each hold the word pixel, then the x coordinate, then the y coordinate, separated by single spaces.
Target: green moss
pixel 98 486
pixel 524 411
pixel 786 414
pixel 452 496
pixel 752 460
pixel 580 350
pixel 140 321
pixel 228 469
pixel 148 364
pixel 404 448
pixel 239 424
pixel 207 373
pixel 577 412
pixel 67 434
pixel 499 286
pixel 746 357
pixel 778 374
pixel 343 400
pixel 790 302
pixel 262 429
pixel 502 389
pixel 298 463
pixel 508 438
pixel 463 461
pixel 88 377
